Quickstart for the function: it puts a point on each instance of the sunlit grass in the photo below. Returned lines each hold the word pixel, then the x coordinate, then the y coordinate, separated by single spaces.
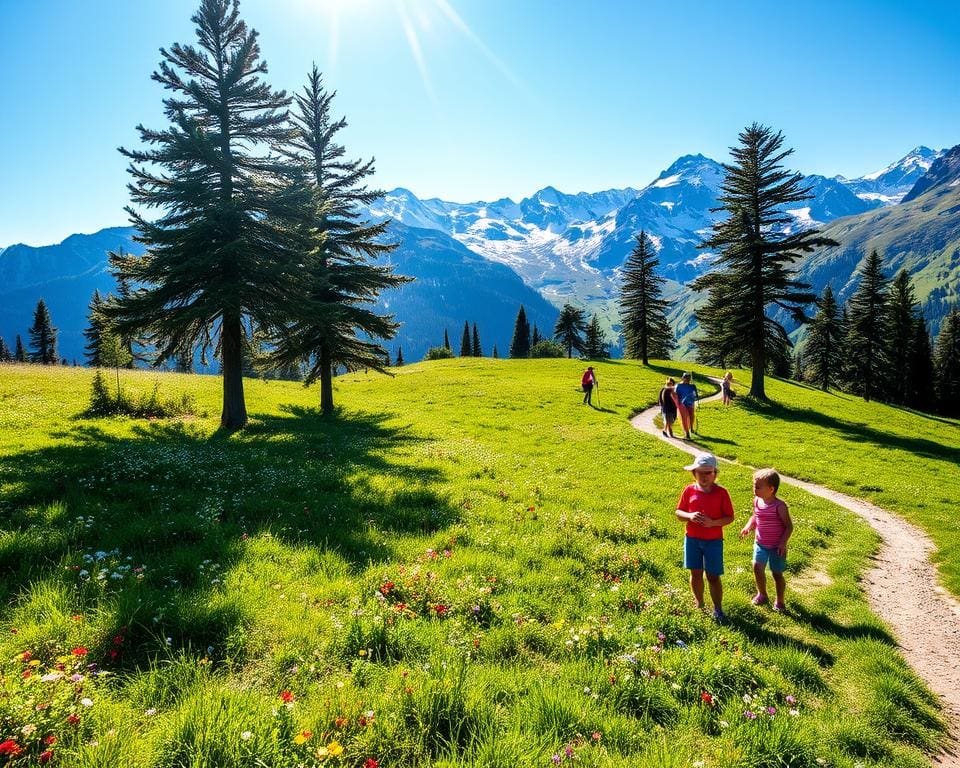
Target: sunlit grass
pixel 466 567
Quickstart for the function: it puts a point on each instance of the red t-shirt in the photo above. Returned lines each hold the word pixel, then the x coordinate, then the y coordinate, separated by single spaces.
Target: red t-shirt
pixel 714 505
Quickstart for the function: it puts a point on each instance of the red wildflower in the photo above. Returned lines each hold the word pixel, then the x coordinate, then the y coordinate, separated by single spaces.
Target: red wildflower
pixel 441 609
pixel 10 747
pixel 706 698
pixel 46 756
pixel 26 656
pixel 340 722
pixel 387 586
pixel 27 673
pixel 362 721
pixel 50 740
pixel 73 719
pixel 370 763
pixel 118 640
pixel 530 509
pixel 80 651
pixel 286 696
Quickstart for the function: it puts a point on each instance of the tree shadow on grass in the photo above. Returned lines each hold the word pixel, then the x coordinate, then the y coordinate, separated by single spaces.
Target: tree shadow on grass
pixel 854 430
pixel 823 623
pixel 759 634
pixel 173 497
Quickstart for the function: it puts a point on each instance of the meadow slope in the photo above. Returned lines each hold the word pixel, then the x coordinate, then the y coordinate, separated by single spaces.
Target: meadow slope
pixel 467 567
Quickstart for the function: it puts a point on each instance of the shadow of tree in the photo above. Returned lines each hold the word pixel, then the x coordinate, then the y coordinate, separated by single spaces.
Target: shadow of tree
pixel 171 496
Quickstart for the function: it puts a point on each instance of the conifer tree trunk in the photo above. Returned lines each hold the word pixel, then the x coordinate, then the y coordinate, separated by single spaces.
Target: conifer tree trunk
pixel 234 415
pixel 326 381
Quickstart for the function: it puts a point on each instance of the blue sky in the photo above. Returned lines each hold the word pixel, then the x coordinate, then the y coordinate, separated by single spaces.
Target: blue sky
pixel 480 99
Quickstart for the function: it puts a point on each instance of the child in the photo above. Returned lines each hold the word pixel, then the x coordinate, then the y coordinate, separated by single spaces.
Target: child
pixel 726 388
pixel 687 396
pixel 771 520
pixel 587 381
pixel 668 407
pixel 706 508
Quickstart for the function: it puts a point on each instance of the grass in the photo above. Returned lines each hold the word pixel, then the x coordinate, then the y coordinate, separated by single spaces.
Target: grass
pixel 467 568
pixel 899 459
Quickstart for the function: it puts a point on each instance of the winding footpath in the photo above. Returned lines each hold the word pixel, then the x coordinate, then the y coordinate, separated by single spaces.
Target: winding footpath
pixel 900 587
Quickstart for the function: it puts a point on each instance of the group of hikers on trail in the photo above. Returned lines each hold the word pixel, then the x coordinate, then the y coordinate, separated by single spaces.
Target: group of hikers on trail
pixel 683 398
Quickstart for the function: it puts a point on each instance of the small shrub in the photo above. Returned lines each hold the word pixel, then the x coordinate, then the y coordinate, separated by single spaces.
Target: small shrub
pixel 101 401
pixel 152 405
pixel 438 353
pixel 547 349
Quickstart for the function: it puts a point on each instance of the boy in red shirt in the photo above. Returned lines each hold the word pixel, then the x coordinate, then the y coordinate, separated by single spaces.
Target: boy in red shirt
pixel 705 507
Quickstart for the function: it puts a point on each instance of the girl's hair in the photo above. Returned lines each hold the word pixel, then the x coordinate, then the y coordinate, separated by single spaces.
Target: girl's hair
pixel 670 382
pixel 768 476
pixel 728 375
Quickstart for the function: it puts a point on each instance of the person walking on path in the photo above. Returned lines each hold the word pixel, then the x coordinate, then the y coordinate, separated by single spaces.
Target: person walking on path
pixel 705 507
pixel 588 382
pixel 687 396
pixel 668 406
pixel 726 388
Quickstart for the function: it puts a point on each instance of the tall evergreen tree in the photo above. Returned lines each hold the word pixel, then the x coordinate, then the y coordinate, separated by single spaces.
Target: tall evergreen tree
pixel 93 333
pixel 221 251
pixel 495 354
pixel 475 349
pixel 466 348
pixel 43 337
pixel 947 364
pixel 754 275
pixel 20 355
pixel 902 312
pixel 922 384
pixel 5 355
pixel 520 345
pixel 867 331
pixel 535 337
pixel 333 325
pixel 595 342
pixel 399 360
pixel 446 339
pixel 570 328
pixel 643 310
pixel 823 352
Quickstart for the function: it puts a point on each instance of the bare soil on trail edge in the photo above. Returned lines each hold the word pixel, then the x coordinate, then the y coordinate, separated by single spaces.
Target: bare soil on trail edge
pixel 900 587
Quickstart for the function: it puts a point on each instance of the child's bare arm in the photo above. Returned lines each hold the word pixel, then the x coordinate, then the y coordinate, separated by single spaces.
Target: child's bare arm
pixel 751 524
pixel 784 513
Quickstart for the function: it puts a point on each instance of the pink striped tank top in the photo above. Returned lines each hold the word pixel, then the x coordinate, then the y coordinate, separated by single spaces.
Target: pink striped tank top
pixel 769 525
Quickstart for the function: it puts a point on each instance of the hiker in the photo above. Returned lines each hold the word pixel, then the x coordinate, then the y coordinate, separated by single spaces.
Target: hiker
pixel 668 406
pixel 705 506
pixel 588 382
pixel 771 520
pixel 726 388
pixel 687 396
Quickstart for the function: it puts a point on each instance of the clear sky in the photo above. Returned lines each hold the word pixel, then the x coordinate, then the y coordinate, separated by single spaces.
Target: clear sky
pixel 480 99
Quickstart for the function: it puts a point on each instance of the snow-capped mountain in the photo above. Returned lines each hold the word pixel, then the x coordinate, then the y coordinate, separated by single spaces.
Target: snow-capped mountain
pixel 889 185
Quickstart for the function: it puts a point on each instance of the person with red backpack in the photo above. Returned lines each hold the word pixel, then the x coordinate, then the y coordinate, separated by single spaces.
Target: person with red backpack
pixel 588 382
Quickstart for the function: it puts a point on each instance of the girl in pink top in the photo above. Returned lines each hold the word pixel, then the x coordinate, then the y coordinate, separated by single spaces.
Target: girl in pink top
pixel 771 520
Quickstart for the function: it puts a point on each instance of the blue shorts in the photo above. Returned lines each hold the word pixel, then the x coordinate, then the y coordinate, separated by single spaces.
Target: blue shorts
pixel 764 555
pixel 703 555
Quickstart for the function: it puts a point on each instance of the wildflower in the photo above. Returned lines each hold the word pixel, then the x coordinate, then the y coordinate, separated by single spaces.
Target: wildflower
pixel 790 700
pixel 555 759
pixel 10 748
pixel 370 763
pixel 322 753
pixel 335 749
pixel 86 702
pixel 50 740
pixel 363 652
pixel 724 724
pixel 46 756
pixel 340 722
pixel 441 609
pixel 794 712
pixel 771 711
pixel 76 617
pixel 51 677
pixel 246 735
pixel 28 729
pixel 73 719
pixel 286 697
pixel 80 651
pixel 706 698
pixel 568 751
pixel 303 737
pixel 596 736
pixel 150 712
pixel 750 715
pixel 76 677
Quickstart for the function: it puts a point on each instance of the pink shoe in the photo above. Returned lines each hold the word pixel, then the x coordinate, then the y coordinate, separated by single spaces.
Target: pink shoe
pixel 759 599
pixel 780 607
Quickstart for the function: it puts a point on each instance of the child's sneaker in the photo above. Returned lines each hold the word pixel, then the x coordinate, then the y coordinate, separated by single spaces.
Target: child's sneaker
pixel 759 599
pixel 780 607
pixel 719 616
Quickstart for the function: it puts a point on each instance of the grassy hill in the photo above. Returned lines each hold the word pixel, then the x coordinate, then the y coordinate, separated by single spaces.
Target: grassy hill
pixel 468 567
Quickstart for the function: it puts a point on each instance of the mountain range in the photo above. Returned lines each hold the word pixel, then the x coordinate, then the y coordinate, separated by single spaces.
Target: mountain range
pixel 480 261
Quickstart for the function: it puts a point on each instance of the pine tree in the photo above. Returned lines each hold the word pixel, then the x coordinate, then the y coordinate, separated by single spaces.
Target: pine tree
pixel 332 325
pixel 399 361
pixel 867 334
pixel 446 339
pixel 823 352
pixel 466 349
pixel 93 333
pixel 947 364
pixel 113 354
pixel 596 341
pixel 643 310
pixel 476 350
pixel 221 252
pixel 43 337
pixel 902 312
pixel 797 373
pixel 754 258
pixel 495 353
pixel 535 337
pixel 5 356
pixel 570 329
pixel 520 345
pixel 20 355
pixel 922 372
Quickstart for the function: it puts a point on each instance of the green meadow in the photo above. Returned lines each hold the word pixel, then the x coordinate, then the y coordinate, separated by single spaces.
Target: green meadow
pixel 467 567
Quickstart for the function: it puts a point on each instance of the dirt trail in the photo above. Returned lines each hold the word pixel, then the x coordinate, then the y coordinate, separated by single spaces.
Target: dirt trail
pixel 900 587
